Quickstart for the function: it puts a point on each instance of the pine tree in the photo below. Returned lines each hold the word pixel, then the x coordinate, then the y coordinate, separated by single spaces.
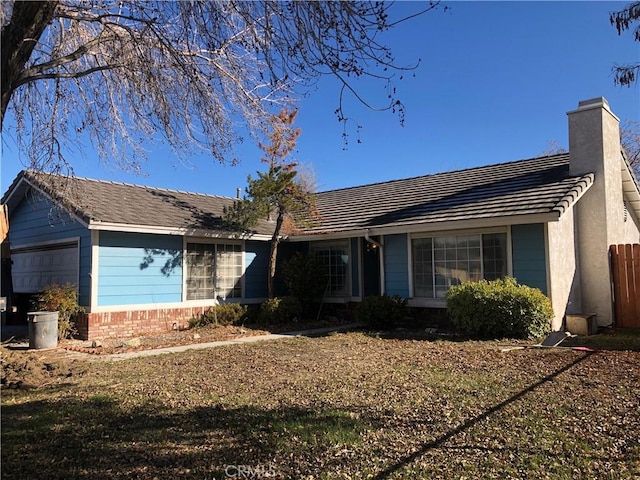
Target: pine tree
pixel 277 194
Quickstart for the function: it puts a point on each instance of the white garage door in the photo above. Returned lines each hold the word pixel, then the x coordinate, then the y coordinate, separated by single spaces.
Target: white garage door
pixel 34 268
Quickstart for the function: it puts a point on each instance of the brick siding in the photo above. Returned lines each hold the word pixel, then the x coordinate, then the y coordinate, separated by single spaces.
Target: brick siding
pixel 131 323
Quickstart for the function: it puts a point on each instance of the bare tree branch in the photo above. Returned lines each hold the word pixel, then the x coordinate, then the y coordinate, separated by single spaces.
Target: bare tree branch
pixel 623 20
pixel 630 140
pixel 200 74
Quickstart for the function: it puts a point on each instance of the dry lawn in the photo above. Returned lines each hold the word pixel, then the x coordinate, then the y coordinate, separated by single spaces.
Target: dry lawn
pixel 345 406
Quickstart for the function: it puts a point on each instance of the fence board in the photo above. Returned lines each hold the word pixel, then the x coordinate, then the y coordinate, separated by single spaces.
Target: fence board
pixel 625 270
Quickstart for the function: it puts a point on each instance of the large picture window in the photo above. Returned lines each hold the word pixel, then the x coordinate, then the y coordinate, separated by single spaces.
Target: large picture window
pixel 440 262
pixel 335 259
pixel 213 271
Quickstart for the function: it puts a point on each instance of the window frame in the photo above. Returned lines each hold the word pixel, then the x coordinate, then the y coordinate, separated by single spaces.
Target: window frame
pixel 314 247
pixel 440 301
pixel 216 243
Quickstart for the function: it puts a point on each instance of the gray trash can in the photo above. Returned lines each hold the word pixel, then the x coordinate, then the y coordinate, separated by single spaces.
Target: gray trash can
pixel 43 329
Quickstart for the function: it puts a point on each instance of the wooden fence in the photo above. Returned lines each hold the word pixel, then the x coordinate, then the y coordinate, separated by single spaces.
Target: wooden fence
pixel 625 271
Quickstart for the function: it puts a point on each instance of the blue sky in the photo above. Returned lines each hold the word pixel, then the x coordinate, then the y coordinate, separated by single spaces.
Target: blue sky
pixel 494 85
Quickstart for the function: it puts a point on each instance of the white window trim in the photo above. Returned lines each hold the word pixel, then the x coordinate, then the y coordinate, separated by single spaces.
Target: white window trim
pixel 95 265
pixel 211 241
pixel 454 233
pixel 439 302
pixel 349 289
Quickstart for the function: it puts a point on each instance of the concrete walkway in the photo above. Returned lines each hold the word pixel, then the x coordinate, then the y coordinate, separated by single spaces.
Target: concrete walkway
pixel 316 332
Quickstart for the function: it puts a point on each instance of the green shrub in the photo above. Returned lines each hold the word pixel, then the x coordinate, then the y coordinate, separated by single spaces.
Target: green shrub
pixel 280 310
pixel 305 278
pixel 223 314
pixel 381 311
pixel 499 309
pixel 252 316
pixel 64 300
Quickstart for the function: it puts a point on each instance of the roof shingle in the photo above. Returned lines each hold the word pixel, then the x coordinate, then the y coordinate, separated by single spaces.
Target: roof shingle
pixel 96 201
pixel 534 186
pixel 527 187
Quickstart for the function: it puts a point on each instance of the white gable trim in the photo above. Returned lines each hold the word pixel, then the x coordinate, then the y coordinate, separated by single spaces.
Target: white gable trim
pixel 186 232
pixel 630 187
pixel 20 190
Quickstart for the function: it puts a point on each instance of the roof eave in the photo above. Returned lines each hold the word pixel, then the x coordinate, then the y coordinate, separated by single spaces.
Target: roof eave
pixel 466 224
pixel 570 198
pixel 17 191
pixel 183 232
pixel 630 186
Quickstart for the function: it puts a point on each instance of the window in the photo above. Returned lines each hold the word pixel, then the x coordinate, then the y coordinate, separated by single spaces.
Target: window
pixel 439 262
pixel 335 259
pixel 213 271
pixel 494 256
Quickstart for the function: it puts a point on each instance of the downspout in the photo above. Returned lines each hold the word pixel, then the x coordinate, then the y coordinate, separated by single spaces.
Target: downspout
pixel 381 258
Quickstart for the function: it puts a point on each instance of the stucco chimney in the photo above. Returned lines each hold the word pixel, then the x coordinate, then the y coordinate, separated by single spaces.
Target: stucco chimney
pixel 594 147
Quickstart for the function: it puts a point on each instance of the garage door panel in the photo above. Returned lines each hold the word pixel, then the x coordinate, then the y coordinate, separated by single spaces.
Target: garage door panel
pixel 34 269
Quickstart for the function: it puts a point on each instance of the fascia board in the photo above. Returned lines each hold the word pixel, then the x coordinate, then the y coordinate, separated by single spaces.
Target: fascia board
pixel 35 186
pixel 432 227
pixel 162 230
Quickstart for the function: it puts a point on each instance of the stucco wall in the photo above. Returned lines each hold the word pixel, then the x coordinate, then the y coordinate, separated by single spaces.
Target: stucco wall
pixel 564 275
pixel 594 146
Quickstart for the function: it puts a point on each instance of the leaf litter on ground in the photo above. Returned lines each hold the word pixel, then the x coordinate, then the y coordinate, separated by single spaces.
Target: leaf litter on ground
pixel 342 406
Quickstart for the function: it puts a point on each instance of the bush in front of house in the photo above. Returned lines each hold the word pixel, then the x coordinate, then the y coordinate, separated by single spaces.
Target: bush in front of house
pixel 223 314
pixel 381 311
pixel 64 300
pixel 499 309
pixel 305 278
pixel 280 310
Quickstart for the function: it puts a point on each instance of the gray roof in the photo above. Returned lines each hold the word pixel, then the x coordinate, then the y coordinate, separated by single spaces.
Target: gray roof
pixel 534 186
pixel 523 188
pixel 100 202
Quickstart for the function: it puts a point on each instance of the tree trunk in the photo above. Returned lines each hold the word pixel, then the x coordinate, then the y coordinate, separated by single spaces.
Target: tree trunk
pixel 19 38
pixel 273 253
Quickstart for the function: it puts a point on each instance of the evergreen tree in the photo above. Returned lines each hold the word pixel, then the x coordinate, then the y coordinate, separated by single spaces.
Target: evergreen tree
pixel 277 194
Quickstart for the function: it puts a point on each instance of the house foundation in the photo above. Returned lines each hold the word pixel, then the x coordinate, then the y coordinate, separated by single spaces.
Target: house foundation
pixel 131 323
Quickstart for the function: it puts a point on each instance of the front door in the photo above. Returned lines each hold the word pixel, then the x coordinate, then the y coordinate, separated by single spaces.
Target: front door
pixel 370 268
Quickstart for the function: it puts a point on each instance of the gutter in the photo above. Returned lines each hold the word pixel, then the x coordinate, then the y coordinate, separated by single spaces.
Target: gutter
pixel 431 226
pixel 380 258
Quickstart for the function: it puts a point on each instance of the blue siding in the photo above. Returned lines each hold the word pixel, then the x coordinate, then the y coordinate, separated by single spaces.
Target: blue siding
pixel 35 220
pixel 256 261
pixel 396 265
pixel 529 261
pixel 355 267
pixel 138 268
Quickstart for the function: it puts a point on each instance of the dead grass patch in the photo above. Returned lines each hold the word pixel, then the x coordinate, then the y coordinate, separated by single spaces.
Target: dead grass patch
pixel 342 406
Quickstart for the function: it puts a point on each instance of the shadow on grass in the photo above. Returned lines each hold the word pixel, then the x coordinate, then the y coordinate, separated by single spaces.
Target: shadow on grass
pixel 619 339
pixel 420 334
pixel 440 440
pixel 109 438
pixel 627 339
pixel 101 438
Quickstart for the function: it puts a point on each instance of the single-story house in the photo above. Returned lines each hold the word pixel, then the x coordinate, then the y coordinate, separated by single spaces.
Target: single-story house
pixel 147 259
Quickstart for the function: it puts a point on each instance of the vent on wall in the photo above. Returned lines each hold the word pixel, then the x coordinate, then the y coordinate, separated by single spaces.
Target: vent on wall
pixel 625 213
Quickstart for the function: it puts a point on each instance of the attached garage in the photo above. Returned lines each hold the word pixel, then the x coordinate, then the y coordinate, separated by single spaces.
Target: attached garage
pixel 36 266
